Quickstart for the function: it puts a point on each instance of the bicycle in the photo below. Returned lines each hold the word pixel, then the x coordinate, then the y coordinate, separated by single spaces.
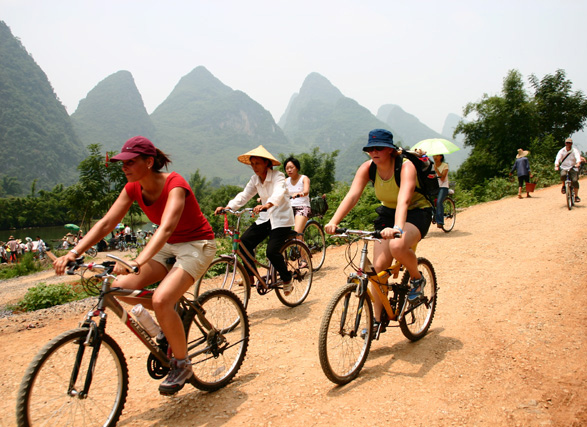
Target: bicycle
pixel 569 191
pixel 227 272
pixel 315 239
pixel 67 383
pixel 347 327
pixel 450 212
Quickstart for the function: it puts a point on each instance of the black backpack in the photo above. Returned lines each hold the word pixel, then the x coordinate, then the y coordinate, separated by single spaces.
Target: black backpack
pixel 427 178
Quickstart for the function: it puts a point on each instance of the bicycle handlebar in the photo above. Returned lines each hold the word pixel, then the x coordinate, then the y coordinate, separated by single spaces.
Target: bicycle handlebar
pixel 107 266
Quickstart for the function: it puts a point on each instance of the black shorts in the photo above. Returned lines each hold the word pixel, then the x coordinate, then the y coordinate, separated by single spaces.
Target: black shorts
pixel 421 218
pixel 522 179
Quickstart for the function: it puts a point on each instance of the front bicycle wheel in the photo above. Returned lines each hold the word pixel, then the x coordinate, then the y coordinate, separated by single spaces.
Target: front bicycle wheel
pixel 217 354
pixel 224 273
pixel 418 317
pixel 51 392
pixel 316 242
pixel 450 214
pixel 569 192
pixel 345 335
pixel 299 263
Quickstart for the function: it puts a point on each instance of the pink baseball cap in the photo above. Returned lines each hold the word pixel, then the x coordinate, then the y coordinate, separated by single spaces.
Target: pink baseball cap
pixel 134 147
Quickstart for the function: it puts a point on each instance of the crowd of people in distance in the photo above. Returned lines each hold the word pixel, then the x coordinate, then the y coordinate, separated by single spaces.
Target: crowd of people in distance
pixel 12 250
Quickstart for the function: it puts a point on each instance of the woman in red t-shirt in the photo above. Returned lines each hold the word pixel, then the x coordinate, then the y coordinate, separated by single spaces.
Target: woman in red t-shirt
pixel 183 233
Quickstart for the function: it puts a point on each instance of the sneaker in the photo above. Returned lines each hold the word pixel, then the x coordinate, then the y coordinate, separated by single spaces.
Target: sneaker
pixel 416 291
pixel 181 371
pixel 563 190
pixel 287 287
pixel 374 328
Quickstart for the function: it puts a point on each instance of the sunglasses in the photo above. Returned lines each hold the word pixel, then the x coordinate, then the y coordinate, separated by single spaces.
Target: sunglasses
pixel 369 149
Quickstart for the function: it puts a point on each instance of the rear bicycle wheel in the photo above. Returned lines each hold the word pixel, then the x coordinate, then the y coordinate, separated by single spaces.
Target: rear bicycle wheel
pixel 570 195
pixel 223 273
pixel 299 263
pixel 315 240
pixel 418 317
pixel 50 390
pixel 450 214
pixel 217 355
pixel 346 334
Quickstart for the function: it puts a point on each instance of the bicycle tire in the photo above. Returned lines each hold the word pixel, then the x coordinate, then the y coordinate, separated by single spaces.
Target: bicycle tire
pixel 44 396
pixel 217 357
pixel 450 214
pixel 418 317
pixel 219 275
pixel 569 192
pixel 299 262
pixel 343 351
pixel 315 239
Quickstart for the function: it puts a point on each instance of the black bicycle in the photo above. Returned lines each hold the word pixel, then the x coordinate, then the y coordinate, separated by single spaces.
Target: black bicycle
pixel 81 376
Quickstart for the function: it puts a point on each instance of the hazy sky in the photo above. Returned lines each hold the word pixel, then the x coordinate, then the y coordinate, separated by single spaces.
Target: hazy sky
pixel 429 57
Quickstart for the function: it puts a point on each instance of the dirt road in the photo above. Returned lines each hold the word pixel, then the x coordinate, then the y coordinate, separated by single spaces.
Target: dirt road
pixel 507 345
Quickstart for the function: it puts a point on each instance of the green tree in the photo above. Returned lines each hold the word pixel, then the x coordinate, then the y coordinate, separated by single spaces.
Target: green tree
pixel 560 111
pixel 512 120
pixel 319 167
pixel 98 187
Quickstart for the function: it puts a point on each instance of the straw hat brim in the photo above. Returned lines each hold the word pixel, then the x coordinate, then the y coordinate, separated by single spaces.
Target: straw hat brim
pixel 522 154
pixel 260 151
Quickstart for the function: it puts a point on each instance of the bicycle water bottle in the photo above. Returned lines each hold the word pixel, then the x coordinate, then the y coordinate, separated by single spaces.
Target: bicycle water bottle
pixel 145 320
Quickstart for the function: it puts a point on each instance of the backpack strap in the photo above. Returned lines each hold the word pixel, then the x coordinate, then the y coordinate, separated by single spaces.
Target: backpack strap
pixel 372 172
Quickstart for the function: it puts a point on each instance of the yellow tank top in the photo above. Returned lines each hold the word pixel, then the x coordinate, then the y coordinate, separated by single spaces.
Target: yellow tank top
pixel 387 191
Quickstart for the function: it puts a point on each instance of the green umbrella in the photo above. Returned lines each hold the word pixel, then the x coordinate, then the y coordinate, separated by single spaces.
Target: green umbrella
pixel 71 227
pixel 435 146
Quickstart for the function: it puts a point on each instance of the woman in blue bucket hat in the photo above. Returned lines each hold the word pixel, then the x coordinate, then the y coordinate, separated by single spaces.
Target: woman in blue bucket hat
pixel 404 214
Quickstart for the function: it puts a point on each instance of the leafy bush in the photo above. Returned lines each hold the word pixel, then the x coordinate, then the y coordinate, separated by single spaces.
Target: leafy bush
pixel 26 265
pixel 45 296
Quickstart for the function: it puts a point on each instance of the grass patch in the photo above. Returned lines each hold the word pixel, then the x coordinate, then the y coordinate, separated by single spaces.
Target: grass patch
pixel 46 296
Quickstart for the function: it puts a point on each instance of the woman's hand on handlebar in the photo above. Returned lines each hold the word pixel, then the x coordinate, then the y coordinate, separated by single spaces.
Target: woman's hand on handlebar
pixel 219 210
pixel 120 268
pixel 330 228
pixel 60 264
pixel 390 233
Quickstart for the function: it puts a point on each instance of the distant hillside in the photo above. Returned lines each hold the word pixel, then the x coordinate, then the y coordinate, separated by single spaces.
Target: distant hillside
pixel 205 125
pixel 112 112
pixel 409 130
pixel 321 116
pixel 36 136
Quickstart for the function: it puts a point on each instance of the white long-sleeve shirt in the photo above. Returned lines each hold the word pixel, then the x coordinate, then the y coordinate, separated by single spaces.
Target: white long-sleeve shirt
pixel 272 190
pixel 570 161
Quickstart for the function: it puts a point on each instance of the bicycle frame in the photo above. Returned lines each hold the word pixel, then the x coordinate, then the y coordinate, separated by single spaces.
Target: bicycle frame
pixel 107 300
pixel 366 273
pixel 238 250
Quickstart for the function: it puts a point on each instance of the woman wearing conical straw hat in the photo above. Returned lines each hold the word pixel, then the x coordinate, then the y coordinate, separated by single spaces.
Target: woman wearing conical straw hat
pixel 277 217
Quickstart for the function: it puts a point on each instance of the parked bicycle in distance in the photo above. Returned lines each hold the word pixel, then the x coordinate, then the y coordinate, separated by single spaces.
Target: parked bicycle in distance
pixel 228 272
pixel 68 384
pixel 347 327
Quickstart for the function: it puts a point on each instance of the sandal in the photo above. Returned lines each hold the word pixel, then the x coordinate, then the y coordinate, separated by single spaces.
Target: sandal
pixel 303 264
pixel 577 200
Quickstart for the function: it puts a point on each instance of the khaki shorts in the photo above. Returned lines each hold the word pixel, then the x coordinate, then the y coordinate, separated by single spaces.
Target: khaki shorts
pixel 192 257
